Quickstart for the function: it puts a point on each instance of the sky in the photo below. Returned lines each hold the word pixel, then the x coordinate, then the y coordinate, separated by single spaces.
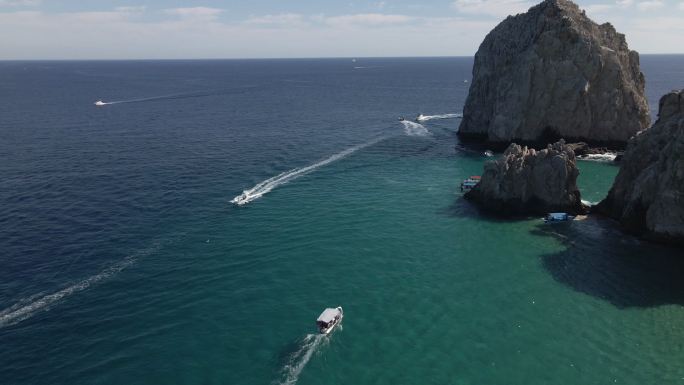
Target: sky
pixel 174 29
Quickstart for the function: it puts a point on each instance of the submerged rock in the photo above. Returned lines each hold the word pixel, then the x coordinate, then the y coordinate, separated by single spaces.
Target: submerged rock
pixel 553 73
pixel 525 181
pixel 647 196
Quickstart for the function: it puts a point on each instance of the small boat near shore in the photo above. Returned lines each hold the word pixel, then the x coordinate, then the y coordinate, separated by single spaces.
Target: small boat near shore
pixel 558 217
pixel 470 182
pixel 330 318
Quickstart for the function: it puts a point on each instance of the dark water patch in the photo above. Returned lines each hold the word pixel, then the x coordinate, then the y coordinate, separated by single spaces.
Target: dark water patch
pixel 463 208
pixel 601 261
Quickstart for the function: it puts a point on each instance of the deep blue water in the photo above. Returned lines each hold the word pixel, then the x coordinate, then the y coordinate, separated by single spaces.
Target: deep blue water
pixel 123 260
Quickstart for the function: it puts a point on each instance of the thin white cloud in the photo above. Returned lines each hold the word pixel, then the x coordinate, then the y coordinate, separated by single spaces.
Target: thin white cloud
pixel 367 19
pixel 624 3
pixel 299 20
pixel 496 8
pixel 681 6
pixel 650 5
pixel 594 9
pixel 205 13
pixel 280 20
pixel 20 3
pixel 131 9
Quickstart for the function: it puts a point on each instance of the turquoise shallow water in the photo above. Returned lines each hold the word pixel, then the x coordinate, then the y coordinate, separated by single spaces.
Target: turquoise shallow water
pixel 182 287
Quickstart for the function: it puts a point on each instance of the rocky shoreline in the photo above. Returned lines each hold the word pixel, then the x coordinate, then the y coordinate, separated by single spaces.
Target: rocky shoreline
pixel 647 197
pixel 526 181
pixel 552 75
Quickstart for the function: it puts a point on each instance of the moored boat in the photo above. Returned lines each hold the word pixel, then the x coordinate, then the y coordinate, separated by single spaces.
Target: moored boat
pixel 558 217
pixel 330 318
pixel 470 182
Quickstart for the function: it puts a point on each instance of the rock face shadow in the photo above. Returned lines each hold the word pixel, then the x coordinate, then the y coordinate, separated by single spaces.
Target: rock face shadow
pixel 461 207
pixel 601 261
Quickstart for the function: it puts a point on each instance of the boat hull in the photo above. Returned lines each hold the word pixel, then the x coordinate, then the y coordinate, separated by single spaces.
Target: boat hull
pixel 330 328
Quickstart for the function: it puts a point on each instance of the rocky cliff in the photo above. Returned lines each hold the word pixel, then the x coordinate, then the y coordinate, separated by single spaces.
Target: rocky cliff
pixel 647 196
pixel 553 73
pixel 525 181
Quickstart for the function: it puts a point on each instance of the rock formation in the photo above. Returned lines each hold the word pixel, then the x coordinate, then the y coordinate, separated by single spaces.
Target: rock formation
pixel 525 181
pixel 647 196
pixel 553 73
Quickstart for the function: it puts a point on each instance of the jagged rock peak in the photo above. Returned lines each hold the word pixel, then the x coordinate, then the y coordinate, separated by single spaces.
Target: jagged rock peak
pixel 554 73
pixel 525 181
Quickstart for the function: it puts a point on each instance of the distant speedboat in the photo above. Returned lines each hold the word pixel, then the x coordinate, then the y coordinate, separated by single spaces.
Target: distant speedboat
pixel 401 119
pixel 488 153
pixel 420 118
pixel 100 103
pixel 330 318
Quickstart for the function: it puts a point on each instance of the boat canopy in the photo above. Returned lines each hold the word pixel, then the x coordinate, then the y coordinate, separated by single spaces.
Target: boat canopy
pixel 328 315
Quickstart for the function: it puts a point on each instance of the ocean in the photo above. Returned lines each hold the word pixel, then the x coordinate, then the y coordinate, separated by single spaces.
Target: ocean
pixel 124 261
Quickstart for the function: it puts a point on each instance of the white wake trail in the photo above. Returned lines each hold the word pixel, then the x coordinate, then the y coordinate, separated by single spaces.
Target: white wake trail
pixel 414 129
pixel 298 360
pixel 269 184
pixel 22 310
pixel 160 97
pixel 30 306
pixel 425 118
pixel 103 103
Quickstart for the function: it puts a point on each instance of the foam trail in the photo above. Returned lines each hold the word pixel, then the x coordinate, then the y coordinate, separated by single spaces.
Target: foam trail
pixel 22 310
pixel 269 184
pixel 425 118
pixel 175 96
pixel 186 95
pixel 607 157
pixel 414 129
pixel 28 307
pixel 298 360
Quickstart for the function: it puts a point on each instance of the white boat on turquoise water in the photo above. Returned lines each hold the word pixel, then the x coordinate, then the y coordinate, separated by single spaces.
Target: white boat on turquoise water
pixel 330 318
pixel 558 217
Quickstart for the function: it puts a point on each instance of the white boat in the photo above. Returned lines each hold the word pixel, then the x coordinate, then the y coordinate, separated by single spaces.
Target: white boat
pixel 469 183
pixel 488 153
pixel 241 199
pixel 421 118
pixel 100 103
pixel 558 217
pixel 330 318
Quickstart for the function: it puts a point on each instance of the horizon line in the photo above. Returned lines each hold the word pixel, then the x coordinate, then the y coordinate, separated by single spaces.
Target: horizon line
pixel 280 58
